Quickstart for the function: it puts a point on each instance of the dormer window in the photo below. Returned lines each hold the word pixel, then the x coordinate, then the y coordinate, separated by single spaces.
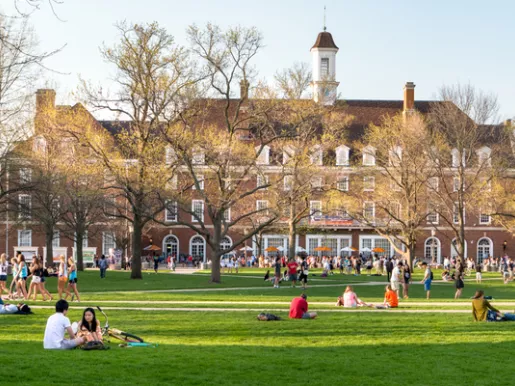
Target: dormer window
pixel 170 156
pixel 288 153
pixel 263 155
pixel 317 156
pixel 342 156
pixel 395 156
pixel 484 156
pixel 369 156
pixel 456 158
pixel 198 157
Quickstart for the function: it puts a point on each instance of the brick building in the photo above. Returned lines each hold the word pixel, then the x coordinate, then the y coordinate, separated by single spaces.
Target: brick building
pixel 484 237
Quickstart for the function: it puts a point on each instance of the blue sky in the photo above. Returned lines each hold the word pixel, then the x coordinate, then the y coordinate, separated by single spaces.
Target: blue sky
pixel 383 43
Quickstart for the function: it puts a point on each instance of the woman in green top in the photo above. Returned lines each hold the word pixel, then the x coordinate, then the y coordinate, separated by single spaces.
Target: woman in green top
pixel 482 310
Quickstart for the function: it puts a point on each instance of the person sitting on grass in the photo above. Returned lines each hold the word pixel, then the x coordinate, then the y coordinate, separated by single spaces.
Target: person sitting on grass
pixel 446 275
pixel 349 299
pixel 299 308
pixel 391 300
pixel 482 310
pixel 56 327
pixel 89 327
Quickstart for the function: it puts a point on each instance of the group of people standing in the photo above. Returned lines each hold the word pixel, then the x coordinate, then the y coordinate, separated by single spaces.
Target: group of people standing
pixel 37 273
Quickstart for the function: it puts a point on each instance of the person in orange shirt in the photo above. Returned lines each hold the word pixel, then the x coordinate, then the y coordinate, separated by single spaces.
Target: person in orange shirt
pixel 390 298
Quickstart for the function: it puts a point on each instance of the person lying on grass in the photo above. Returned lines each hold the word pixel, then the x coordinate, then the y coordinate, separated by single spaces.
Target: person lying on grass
pixel 299 308
pixel 482 310
pixel 20 308
pixel 349 299
pixel 56 327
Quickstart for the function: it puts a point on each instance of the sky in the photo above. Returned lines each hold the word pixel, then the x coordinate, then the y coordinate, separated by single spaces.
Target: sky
pixel 383 43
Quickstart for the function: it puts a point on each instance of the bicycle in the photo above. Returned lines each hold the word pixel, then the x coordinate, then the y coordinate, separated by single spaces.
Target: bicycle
pixel 110 332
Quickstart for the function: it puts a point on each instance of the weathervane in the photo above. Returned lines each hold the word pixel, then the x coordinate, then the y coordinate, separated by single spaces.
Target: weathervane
pixel 325 28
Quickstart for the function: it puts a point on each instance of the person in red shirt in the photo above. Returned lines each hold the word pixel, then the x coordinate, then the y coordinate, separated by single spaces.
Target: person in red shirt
pixel 299 308
pixel 292 272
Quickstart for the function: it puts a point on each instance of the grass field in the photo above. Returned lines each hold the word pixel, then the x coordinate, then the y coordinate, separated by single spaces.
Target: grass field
pixel 225 347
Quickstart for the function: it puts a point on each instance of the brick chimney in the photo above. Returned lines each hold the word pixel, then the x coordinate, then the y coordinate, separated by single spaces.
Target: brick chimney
pixel 45 109
pixel 409 97
pixel 244 89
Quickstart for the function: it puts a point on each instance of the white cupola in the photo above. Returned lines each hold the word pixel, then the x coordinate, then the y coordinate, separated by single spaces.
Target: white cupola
pixel 323 54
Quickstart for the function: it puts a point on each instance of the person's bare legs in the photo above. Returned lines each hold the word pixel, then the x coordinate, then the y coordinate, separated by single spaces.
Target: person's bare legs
pixel 75 291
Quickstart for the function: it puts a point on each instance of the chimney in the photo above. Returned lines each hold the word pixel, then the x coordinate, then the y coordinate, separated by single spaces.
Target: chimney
pixel 45 101
pixel 409 97
pixel 45 110
pixel 507 123
pixel 244 89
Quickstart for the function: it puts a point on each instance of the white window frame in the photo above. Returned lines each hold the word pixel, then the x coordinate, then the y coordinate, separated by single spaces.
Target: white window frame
pixel 488 221
pixel 288 183
pixel 56 239
pixel 315 212
pixel 261 180
pixel 431 185
pixel 194 210
pixel 324 67
pixel 455 184
pixel 369 183
pixel 317 156
pixel 25 175
pixel 317 182
pixel 105 246
pixel 342 155
pixel 170 216
pixel 24 209
pixel 24 238
pixel 432 212
pixel 264 157
pixel 395 156
pixel 172 183
pixel 484 156
pixel 373 204
pixel 170 155
pixel 369 156
pixel 455 214
pixel 227 215
pixel 261 205
pixel 198 157
pixel 342 183
pixel 200 179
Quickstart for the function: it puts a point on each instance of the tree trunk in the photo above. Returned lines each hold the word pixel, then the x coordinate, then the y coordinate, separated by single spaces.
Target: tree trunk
pixel 136 250
pixel 411 255
pixel 291 241
pixel 49 249
pixel 80 257
pixel 216 253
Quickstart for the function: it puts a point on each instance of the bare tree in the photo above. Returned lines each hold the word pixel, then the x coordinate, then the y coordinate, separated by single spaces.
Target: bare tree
pixel 294 82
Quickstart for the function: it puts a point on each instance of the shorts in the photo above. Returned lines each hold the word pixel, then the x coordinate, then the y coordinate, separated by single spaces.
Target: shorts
pixel 22 278
pixel 506 273
pixel 293 276
pixel 36 279
pixel 303 278
pixel 427 285
pixel 68 344
pixel 406 280
pixel 306 315
pixel 72 281
pixel 479 275
pixel 3 277
pixel 394 285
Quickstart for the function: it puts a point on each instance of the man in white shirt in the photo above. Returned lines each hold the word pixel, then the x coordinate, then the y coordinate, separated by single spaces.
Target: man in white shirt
pixel 396 278
pixel 56 326
pixel 446 263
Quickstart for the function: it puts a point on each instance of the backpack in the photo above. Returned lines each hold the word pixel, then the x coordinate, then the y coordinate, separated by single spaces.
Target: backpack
pixel 266 317
pixel 94 345
pixel 432 275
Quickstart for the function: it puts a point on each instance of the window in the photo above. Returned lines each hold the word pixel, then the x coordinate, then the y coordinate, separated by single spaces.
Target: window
pixel 484 157
pixel 171 211
pixel 171 184
pixel 324 67
pixel 433 184
pixel 197 247
pixel 261 180
pixel 200 179
pixel 198 157
pixel 315 209
pixel 110 206
pixel 170 156
pixel 25 238
pixel 171 245
pixel 25 207
pixel 56 207
pixel 317 156
pixel 369 156
pixel 395 156
pixel 342 156
pixel 85 240
pixel 432 249
pixel 432 215
pixel 369 183
pixel 108 242
pixel 39 144
pixel 484 249
pixel 317 182
pixel 227 215
pixel 456 158
pixel 263 155
pixel 455 184
pixel 456 214
pixel 197 208
pixel 262 206
pixel 395 182
pixel 395 210
pixel 225 244
pixel 343 184
pixel 25 176
pixel 56 239
pixel 369 210
pixel 484 218
pixel 288 153
pixel 288 183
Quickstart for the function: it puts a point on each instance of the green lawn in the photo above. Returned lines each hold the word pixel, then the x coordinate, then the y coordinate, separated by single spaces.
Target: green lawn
pixel 233 348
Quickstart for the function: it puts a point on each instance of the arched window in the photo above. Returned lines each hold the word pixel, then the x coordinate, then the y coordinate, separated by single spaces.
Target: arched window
pixel 225 245
pixel 484 156
pixel 171 245
pixel 342 155
pixel 198 248
pixel 432 250
pixel 484 249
